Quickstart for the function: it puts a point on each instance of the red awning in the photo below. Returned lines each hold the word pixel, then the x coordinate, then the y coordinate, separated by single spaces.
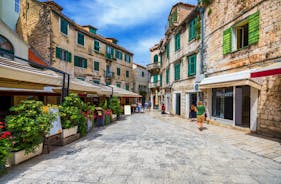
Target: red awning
pixel 274 69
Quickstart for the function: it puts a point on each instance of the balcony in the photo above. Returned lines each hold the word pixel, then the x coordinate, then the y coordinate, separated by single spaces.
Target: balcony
pixel 154 85
pixel 109 75
pixel 109 57
pixel 154 68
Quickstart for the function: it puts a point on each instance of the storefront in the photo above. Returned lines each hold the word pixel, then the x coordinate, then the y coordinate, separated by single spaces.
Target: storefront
pixel 232 99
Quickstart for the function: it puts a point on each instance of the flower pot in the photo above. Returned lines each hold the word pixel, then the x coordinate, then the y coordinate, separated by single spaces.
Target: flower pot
pixel 70 131
pixel 90 124
pixel 20 156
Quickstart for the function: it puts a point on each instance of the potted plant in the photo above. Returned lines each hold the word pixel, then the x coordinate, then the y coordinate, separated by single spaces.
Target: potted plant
pixel 115 107
pixel 6 146
pixel 107 113
pixel 89 114
pixel 28 123
pixel 72 118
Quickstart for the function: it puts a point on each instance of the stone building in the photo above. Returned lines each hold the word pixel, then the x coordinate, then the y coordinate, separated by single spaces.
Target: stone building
pixel 178 70
pixel 240 37
pixel 141 79
pixel 75 49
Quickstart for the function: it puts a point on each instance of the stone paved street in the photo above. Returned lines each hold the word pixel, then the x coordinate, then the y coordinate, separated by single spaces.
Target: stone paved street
pixel 149 148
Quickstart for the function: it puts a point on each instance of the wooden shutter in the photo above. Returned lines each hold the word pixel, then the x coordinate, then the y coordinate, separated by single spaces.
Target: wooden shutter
pixel 85 63
pixel 155 78
pixel 96 45
pixel 68 57
pixel 167 76
pixel 177 71
pixel 227 38
pixel 118 71
pixel 161 80
pixel 76 61
pixel 192 65
pixel 58 52
pixel 254 27
pixel 155 59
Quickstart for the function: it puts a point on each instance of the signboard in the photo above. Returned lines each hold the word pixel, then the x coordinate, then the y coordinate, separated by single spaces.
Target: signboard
pixel 127 110
pixel 56 124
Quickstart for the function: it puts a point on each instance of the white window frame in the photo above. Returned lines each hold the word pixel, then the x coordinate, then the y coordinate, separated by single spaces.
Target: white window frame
pixel 60 28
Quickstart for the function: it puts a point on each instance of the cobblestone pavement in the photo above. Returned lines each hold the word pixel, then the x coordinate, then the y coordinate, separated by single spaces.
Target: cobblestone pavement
pixel 149 148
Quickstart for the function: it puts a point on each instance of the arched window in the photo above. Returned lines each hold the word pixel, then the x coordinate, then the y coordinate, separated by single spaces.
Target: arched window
pixel 155 59
pixel 6 48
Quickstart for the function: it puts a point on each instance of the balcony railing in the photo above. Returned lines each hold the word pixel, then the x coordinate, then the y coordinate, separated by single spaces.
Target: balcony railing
pixel 154 68
pixel 109 75
pixel 154 84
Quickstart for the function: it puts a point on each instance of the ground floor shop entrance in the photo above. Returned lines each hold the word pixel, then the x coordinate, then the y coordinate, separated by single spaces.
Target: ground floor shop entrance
pixel 178 103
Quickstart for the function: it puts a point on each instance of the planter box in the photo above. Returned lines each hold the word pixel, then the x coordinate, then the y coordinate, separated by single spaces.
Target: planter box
pixel 69 132
pixel 20 156
pixel 90 125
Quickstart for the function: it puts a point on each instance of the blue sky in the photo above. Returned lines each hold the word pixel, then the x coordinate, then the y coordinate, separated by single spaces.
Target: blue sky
pixel 136 24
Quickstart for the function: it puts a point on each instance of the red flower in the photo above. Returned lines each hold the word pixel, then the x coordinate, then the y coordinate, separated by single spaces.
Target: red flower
pixel 5 135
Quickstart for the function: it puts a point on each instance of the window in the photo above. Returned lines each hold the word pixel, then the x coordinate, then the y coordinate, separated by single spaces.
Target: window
pixel 160 79
pixel 127 87
pixel 17 6
pixel 161 59
pixel 142 74
pixel 118 85
pixel 155 59
pixel 108 83
pixel 63 54
pixel 96 45
pixel 96 81
pixel 155 78
pixel 118 71
pixel 6 48
pixel 177 41
pixel 127 58
pixel 127 73
pixel 80 62
pixel 167 75
pixel 242 34
pixel 92 30
pixel 222 103
pixel 167 48
pixel 63 26
pixel 109 52
pixel 80 38
pixel 81 78
pixel 173 17
pixel 96 66
pixel 192 32
pixel 118 54
pixel 192 65
pixel 177 71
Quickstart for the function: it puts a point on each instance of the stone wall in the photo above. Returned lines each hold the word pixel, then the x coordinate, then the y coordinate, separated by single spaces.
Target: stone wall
pixel 269 111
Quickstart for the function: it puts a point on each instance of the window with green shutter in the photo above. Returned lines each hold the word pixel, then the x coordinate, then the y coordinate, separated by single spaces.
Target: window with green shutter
pixel 127 73
pixel 127 58
pixel 160 79
pixel 80 38
pixel 63 26
pixel 167 50
pixel 118 85
pixel 155 58
pixel 96 66
pixel 127 87
pixel 254 20
pixel 118 71
pixel 161 59
pixel 93 30
pixel 177 71
pixel 96 45
pixel 192 31
pixel 109 52
pixel 96 81
pixel 155 78
pixel 177 41
pixel 108 83
pixel 118 54
pixel 167 75
pixel 63 54
pixel 80 62
pixel 192 65
pixel 227 38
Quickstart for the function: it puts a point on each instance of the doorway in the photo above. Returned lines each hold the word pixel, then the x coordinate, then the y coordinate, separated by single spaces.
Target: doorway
pixel 178 103
pixel 242 106
pixel 193 99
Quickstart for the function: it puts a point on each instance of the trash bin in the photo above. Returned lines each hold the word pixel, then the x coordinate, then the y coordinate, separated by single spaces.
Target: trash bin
pixel 99 116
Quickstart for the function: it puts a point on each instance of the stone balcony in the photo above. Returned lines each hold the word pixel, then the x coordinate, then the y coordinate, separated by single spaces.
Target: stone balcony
pixel 154 68
pixel 154 85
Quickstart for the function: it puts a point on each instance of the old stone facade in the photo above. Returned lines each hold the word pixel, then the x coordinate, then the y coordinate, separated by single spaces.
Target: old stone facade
pixel 239 38
pixel 141 80
pixel 77 50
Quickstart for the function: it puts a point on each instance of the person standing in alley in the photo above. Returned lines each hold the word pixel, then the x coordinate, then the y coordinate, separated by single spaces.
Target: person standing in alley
pixel 163 108
pixel 200 115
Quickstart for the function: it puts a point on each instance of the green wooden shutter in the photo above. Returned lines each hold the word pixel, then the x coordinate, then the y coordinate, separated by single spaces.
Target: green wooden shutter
pixel 155 59
pixel 63 26
pixel 76 60
pixel 96 66
pixel 190 31
pixel 192 65
pixel 155 78
pixel 96 45
pixel 80 38
pixel 254 27
pixel 118 71
pixel 227 38
pixel 177 71
pixel 160 79
pixel 167 76
pixel 168 50
pixel 85 63
pixel 58 52
pixel 68 56
pixel 127 87
pixel 127 73
pixel 161 59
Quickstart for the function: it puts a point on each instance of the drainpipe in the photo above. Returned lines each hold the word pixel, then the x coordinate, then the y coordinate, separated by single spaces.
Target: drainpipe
pixel 202 63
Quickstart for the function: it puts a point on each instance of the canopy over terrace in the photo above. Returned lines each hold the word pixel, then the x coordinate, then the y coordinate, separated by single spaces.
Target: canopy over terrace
pixel 120 92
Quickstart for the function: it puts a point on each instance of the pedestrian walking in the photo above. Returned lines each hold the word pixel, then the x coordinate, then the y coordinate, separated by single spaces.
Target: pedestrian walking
pixel 163 108
pixel 192 112
pixel 200 115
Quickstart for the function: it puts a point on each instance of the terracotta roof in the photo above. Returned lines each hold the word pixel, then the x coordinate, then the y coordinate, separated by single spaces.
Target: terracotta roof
pixel 95 36
pixel 140 66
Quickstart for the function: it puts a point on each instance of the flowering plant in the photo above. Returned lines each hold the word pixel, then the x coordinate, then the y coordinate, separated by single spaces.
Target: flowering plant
pixel 5 144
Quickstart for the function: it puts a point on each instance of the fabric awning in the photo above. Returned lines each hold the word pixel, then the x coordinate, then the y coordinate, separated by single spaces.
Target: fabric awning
pixel 22 91
pixel 120 92
pixel 231 79
pixel 273 69
pixel 80 86
pixel 24 72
